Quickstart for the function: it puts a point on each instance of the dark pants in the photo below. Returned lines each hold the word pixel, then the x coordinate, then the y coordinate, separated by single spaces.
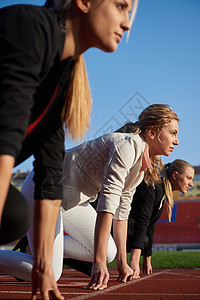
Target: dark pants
pixel 16 217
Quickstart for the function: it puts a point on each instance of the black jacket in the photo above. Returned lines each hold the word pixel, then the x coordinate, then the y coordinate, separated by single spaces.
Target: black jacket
pixel 146 209
pixel 33 86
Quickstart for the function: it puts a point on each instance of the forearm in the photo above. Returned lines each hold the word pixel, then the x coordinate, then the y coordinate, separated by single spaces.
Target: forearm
pixel 102 232
pixel 45 218
pixel 135 262
pixel 120 235
pixel 6 166
pixel 135 256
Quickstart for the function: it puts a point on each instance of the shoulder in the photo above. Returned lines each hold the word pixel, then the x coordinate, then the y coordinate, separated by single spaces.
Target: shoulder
pixel 146 191
pixel 160 189
pixel 30 26
pixel 118 138
pixel 126 147
pixel 22 14
pixel 143 186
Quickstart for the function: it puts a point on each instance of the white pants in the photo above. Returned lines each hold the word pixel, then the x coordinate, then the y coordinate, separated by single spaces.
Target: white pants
pixel 77 222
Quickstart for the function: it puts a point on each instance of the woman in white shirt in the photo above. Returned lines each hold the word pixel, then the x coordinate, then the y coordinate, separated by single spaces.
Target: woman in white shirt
pixel 112 165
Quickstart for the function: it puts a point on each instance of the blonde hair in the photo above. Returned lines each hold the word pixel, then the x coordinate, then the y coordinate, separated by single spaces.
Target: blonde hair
pixel 133 13
pixel 178 165
pixel 158 116
pixel 78 103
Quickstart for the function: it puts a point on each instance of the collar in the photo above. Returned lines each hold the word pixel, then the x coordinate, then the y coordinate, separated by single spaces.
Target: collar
pixel 146 163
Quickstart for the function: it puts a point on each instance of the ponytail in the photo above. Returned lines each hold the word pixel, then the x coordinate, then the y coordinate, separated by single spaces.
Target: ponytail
pixel 78 103
pixel 153 176
pixel 168 189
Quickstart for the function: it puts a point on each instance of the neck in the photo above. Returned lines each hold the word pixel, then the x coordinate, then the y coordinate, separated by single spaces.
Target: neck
pixel 74 44
pixel 152 151
pixel 173 186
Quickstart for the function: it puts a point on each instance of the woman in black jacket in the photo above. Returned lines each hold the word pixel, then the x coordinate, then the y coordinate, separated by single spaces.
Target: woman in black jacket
pixel 40 57
pixel 147 207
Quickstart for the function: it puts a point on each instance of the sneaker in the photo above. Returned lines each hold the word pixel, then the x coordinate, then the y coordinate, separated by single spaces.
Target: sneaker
pixel 79 265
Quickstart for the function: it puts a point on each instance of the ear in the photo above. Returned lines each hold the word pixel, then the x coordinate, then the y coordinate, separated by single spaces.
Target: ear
pixel 83 5
pixel 174 175
pixel 151 132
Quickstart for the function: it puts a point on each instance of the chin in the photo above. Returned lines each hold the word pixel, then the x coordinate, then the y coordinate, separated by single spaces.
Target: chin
pixel 110 48
pixel 167 154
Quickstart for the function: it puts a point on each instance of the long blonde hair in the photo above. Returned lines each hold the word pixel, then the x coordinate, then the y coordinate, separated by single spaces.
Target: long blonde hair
pixel 78 103
pixel 178 165
pixel 158 116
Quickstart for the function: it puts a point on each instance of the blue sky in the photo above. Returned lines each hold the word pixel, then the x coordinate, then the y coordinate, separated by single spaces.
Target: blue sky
pixel 159 64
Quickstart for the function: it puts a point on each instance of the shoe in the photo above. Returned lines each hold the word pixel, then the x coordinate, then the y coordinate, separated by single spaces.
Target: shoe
pixel 21 245
pixel 79 265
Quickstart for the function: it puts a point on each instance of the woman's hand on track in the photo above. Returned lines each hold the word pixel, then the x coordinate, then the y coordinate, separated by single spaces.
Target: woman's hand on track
pixel 46 284
pixel 125 273
pixel 99 278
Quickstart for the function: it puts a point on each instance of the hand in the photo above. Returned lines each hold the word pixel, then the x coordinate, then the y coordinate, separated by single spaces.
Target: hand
pixel 125 273
pixel 99 278
pixel 45 217
pixel 146 265
pixel 136 269
pixel 45 282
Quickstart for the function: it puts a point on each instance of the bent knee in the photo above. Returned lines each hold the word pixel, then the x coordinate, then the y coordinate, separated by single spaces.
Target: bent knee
pixel 111 253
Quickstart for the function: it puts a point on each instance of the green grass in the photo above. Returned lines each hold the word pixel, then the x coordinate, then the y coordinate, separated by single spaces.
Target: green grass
pixel 171 259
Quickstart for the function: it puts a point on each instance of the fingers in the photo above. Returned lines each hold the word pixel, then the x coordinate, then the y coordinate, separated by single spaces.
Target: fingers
pixel 46 285
pixel 92 282
pixel 33 297
pixel 126 278
pixel 136 277
pixel 55 294
pixel 136 274
pixel 125 274
pixel 149 271
pixel 34 291
pixel 98 281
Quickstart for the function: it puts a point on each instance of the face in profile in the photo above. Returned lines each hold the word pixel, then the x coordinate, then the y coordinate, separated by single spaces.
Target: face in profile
pixel 106 22
pixel 183 181
pixel 163 142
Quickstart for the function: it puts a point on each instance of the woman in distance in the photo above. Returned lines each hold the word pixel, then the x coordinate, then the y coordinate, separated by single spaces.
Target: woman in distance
pixel 147 207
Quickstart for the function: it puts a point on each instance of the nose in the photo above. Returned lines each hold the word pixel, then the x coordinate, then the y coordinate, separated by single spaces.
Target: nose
pixel 126 23
pixel 191 183
pixel 176 142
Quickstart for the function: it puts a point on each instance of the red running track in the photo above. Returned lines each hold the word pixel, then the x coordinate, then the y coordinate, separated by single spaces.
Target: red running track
pixel 173 284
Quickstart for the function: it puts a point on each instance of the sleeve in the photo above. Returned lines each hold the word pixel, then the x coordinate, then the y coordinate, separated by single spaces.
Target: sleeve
pixel 48 167
pixel 141 211
pixel 22 53
pixel 121 158
pixel 124 207
pixel 150 233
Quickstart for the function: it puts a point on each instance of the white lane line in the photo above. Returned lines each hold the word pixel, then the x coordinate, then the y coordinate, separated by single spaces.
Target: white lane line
pixel 14 292
pixel 181 274
pixel 110 294
pixel 112 288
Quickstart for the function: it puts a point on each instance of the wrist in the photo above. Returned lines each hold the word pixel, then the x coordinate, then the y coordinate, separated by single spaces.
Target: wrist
pixel 42 265
pixel 135 256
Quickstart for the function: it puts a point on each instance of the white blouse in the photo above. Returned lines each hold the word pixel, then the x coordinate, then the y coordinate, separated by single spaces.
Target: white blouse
pixel 110 165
